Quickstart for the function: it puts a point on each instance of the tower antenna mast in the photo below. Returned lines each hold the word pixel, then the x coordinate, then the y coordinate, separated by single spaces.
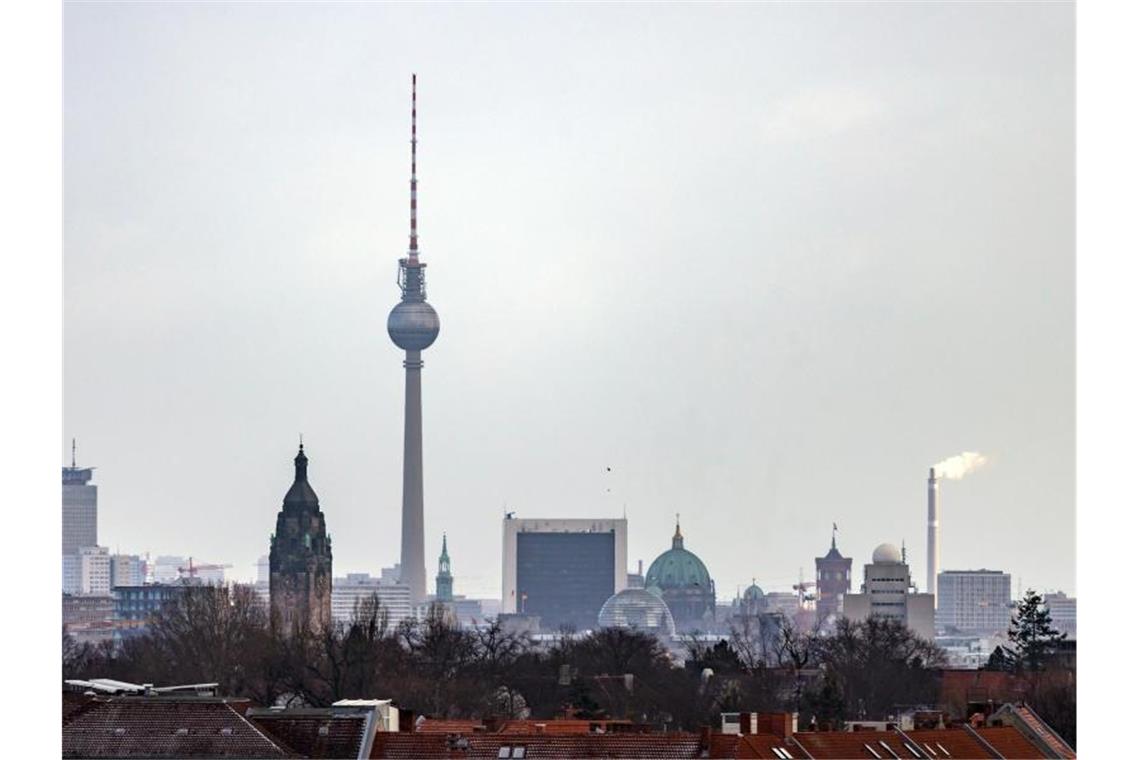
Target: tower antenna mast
pixel 413 240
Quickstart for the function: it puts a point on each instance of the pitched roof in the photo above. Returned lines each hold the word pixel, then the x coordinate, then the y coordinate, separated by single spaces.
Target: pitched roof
pixel 847 745
pixel 1034 724
pixel 1009 742
pixel 538 746
pixel 315 733
pixel 157 727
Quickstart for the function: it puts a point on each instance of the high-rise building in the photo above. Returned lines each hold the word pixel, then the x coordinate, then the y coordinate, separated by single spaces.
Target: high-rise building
pixel 80 519
pixel 300 558
pixel 832 581
pixel 973 601
pixel 443 589
pixel 888 593
pixel 413 326
pixel 355 589
pixel 80 507
pixel 1063 611
pixel 680 578
pixel 127 570
pixel 562 571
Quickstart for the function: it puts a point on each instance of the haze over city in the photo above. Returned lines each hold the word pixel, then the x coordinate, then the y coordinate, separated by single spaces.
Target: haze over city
pixel 762 266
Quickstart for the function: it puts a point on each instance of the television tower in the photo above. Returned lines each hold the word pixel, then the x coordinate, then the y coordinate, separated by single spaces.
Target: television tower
pixel 413 326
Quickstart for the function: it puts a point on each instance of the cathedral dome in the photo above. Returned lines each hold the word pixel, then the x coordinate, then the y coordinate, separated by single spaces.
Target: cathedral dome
pixel 886 554
pixel 637 608
pixel 753 593
pixel 678 568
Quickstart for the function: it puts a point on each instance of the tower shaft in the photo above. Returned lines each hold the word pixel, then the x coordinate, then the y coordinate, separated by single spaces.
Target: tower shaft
pixel 933 508
pixel 413 569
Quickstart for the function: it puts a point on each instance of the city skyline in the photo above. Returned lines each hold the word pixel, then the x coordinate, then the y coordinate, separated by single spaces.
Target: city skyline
pixel 845 338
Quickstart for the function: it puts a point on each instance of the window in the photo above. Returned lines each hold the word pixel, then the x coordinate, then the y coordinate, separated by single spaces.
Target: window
pixel 912 750
pixel 887 747
pixel 870 749
pixel 504 752
pixel 518 752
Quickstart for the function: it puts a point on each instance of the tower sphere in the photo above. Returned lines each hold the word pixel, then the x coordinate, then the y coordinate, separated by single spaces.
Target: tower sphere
pixel 413 325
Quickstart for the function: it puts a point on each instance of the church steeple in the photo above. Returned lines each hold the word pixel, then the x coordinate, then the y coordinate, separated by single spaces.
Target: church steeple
pixel 678 539
pixel 300 558
pixel 443 580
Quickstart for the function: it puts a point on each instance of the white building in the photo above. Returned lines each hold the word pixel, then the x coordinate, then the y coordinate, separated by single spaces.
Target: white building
pixel 127 570
pixel 166 568
pixel 355 588
pixel 973 601
pixel 888 593
pixel 1063 610
pixel 94 570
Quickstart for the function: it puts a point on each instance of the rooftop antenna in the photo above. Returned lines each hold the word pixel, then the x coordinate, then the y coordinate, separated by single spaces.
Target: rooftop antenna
pixel 413 241
pixel 73 453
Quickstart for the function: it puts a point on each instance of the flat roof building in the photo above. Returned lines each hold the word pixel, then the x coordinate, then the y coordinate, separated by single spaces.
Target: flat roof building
pixel 562 571
pixel 973 601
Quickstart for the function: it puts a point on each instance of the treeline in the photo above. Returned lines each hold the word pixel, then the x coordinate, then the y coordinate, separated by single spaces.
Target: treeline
pixel 435 668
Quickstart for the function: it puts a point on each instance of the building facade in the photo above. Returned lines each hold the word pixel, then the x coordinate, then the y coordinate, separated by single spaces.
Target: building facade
pixel 300 558
pixel 80 520
pixel 973 601
pixel 888 593
pixel 832 582
pixel 1063 611
pixel 355 589
pixel 127 570
pixel 562 571
pixel 680 577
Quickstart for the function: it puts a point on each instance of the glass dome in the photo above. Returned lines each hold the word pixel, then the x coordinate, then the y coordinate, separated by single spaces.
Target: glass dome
pixel 637 608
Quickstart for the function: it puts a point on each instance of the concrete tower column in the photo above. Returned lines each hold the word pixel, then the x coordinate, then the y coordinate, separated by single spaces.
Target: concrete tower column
pixel 413 570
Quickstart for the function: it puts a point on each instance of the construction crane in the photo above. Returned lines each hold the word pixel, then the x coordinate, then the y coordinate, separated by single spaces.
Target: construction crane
pixel 802 588
pixel 191 571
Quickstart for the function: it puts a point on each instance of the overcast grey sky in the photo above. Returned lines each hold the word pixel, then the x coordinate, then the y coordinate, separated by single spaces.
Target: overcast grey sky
pixel 767 262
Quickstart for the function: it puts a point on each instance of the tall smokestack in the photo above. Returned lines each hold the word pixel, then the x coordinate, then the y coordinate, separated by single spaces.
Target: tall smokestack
pixel 933 507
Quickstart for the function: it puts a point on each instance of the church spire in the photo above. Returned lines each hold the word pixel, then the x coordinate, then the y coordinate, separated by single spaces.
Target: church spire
pixel 678 539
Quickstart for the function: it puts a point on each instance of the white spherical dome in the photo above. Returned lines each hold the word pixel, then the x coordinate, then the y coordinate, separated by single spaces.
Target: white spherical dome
pixel 886 554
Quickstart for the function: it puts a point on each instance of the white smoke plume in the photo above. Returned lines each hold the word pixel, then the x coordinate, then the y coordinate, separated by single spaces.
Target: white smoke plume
pixel 957 467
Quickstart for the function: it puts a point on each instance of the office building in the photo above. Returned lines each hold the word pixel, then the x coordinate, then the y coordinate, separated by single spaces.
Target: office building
pixel 80 507
pixel 354 589
pixel 888 593
pixel 127 570
pixel 1063 611
pixel 80 520
pixel 562 571
pixel 973 602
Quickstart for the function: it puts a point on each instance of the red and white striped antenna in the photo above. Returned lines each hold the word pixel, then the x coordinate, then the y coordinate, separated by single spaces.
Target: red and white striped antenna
pixel 413 243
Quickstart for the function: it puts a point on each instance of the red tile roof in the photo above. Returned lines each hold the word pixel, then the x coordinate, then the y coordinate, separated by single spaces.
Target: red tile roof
pixel 561 726
pixel 153 727
pixel 950 743
pixel 538 746
pixel 315 733
pixel 848 745
pixel 1034 723
pixel 443 726
pixel 764 745
pixel 1010 742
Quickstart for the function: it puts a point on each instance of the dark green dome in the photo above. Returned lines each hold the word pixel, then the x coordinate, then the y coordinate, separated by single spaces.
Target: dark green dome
pixel 678 568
